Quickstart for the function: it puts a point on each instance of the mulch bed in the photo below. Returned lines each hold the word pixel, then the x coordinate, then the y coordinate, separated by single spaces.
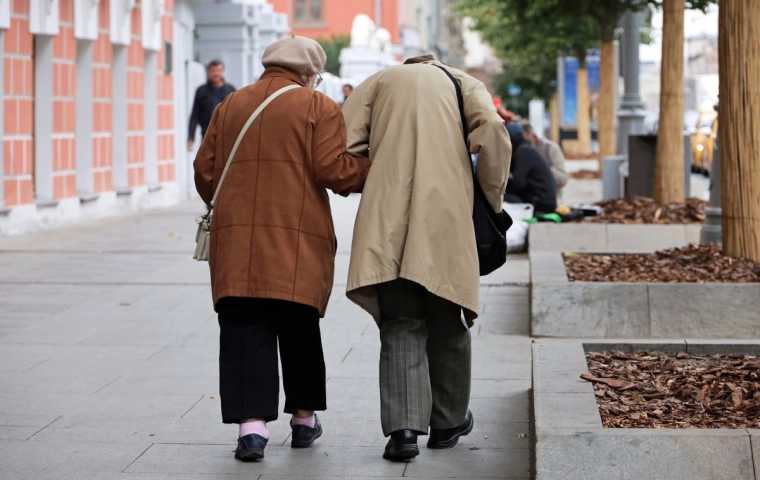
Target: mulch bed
pixel 691 264
pixel 640 210
pixel 581 156
pixel 586 175
pixel 657 390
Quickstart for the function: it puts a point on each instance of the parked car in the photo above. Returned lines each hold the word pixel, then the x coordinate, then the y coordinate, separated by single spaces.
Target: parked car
pixel 703 142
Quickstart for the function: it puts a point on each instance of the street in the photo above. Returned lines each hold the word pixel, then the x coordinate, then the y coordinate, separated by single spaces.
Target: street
pixel 108 366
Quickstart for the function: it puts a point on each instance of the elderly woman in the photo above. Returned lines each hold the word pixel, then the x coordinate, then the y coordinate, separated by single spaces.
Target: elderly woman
pixel 273 244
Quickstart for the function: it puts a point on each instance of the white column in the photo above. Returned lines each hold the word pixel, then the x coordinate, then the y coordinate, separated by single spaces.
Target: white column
pixel 119 124
pixel 150 111
pixel 2 122
pixel 43 120
pixel 84 126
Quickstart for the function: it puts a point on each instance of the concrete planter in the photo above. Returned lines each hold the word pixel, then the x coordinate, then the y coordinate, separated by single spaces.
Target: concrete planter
pixel 571 443
pixel 603 238
pixel 560 308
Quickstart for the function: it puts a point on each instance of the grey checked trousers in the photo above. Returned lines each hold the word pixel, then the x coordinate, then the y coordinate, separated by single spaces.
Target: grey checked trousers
pixel 425 359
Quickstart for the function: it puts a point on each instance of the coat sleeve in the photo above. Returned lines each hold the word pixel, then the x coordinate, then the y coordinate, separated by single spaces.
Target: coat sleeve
pixel 490 140
pixel 357 111
pixel 557 164
pixel 193 122
pixel 334 167
pixel 206 158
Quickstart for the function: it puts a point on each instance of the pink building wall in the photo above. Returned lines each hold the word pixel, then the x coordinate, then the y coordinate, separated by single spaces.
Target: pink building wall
pixel 339 15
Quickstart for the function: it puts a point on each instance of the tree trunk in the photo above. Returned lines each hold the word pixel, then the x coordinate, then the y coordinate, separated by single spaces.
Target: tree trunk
pixel 607 83
pixel 554 109
pixel 669 167
pixel 582 117
pixel 739 126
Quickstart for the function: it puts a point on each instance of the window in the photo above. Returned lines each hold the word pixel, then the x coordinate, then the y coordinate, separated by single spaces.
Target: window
pixel 308 11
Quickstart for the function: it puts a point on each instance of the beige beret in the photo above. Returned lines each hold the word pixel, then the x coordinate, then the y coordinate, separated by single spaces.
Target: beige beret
pixel 300 54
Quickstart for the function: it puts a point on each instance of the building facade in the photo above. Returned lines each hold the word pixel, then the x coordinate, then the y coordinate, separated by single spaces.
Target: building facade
pixel 416 26
pixel 88 109
pixel 327 18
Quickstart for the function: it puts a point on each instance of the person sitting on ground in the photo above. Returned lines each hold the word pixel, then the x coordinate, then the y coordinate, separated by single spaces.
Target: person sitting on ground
pixel 530 178
pixel 551 152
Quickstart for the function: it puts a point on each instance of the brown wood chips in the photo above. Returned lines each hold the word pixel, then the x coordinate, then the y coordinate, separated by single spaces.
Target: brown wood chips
pixel 640 210
pixel 658 390
pixel 693 264
pixel 586 174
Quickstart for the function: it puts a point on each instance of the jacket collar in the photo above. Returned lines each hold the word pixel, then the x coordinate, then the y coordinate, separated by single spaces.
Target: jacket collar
pixel 275 71
pixel 420 59
pixel 211 85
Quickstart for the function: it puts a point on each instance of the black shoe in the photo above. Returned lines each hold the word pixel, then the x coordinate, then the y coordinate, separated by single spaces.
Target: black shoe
pixel 402 445
pixel 448 437
pixel 251 447
pixel 303 436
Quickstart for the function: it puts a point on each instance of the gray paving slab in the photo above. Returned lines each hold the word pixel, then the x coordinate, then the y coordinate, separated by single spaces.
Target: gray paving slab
pixel 19 460
pixel 466 463
pixel 349 461
pixel 632 453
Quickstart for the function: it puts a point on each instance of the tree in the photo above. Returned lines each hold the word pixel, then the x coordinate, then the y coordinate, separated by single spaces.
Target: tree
pixel 668 176
pixel 607 14
pixel 739 126
pixel 529 39
pixel 519 28
pixel 539 84
pixel 332 48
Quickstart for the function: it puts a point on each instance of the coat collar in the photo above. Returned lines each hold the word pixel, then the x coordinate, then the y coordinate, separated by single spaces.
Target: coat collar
pixel 420 59
pixel 275 71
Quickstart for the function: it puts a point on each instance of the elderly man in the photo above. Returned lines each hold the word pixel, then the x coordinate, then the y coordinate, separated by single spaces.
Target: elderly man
pixel 273 243
pixel 414 262
pixel 551 152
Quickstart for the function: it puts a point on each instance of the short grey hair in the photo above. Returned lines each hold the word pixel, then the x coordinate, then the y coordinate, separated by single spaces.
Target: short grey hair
pixel 527 127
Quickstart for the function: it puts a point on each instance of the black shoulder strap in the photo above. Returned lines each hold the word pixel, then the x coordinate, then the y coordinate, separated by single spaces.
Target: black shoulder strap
pixel 460 101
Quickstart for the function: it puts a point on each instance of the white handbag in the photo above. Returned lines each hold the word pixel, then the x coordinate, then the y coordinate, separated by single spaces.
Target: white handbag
pixel 203 235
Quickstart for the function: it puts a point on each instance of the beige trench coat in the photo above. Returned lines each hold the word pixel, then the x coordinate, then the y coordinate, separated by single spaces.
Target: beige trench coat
pixel 415 216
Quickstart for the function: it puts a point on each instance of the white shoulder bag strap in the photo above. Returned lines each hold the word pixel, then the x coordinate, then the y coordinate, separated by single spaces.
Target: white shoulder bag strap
pixel 242 133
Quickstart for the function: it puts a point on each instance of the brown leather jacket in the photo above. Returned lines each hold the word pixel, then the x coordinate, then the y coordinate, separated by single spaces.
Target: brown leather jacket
pixel 272 233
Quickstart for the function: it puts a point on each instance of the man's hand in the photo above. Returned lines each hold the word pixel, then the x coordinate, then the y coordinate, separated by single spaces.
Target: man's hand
pixel 190 145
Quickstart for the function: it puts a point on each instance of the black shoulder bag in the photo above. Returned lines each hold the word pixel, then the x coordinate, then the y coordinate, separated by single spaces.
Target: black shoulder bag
pixel 490 227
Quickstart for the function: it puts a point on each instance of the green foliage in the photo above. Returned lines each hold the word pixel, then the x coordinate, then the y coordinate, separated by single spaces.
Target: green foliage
pixel 332 48
pixel 528 39
pixel 528 35
pixel 532 84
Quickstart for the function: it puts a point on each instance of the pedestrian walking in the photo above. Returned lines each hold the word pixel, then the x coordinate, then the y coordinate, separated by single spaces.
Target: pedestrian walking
pixel 530 177
pixel 207 97
pixel 414 263
pixel 273 245
pixel 551 152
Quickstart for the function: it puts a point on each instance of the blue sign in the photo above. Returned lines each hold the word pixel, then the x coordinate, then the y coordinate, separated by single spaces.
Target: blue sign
pixel 514 90
pixel 570 97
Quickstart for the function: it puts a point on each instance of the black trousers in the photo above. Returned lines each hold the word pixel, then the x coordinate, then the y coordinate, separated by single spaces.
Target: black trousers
pixel 249 382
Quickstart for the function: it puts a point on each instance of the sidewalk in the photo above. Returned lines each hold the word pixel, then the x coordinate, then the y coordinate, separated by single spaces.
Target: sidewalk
pixel 108 366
